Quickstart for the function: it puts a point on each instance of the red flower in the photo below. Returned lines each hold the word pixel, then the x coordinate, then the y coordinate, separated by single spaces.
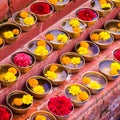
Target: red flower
pixel 86 14
pixel 4 114
pixel 40 8
pixel 117 54
pixel 60 105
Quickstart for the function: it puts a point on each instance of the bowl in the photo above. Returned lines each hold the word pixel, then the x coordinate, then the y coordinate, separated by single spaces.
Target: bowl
pixel 102 38
pixel 95 4
pixel 113 27
pixel 94 81
pixel 70 27
pixel 26 20
pixel 110 68
pixel 23 60
pixel 58 38
pixel 58 5
pixel 78 61
pixel 56 73
pixel 116 54
pixel 88 15
pixel 6 113
pixel 19 94
pixel 42 113
pixel 41 49
pixel 42 10
pixel 9 74
pixel 38 86
pixel 7 32
pixel 87 49
pixel 76 92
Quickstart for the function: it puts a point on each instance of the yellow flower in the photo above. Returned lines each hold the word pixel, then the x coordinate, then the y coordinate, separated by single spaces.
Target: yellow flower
pixel 29 20
pixel 77 29
pixel 12 70
pixel 115 65
pixel 51 75
pixel 17 102
pixel 1 41
pixel 15 31
pixel 53 68
pixel 41 50
pixel 40 117
pixel 24 14
pixel 41 43
pixel 33 82
pixel 75 60
pixel 83 96
pixel 27 99
pixel 95 85
pixel 62 38
pixel 9 76
pixel 49 37
pixel 86 80
pixel 95 37
pixel 84 44
pixel 65 60
pixel 104 35
pixel 105 5
pixel 8 34
pixel 74 23
pixel 39 89
pixel 74 89
pixel 114 71
pixel 82 50
pixel 53 1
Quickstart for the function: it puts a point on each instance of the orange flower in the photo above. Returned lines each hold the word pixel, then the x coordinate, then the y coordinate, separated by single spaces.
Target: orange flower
pixel 12 70
pixel 1 41
pixel 83 96
pixel 102 1
pixel 40 117
pixel 118 24
pixel 53 68
pixel 113 72
pixel 86 80
pixel 65 60
pixel 53 1
pixel 49 37
pixel 24 14
pixel 84 44
pixel 17 102
pixel 33 82
pixel 95 37
pixel 41 43
pixel 77 29
pixel 15 31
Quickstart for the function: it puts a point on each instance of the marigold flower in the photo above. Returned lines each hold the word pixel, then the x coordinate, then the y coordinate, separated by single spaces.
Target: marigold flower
pixel 40 117
pixel 118 24
pixel 62 38
pixel 74 89
pixel 105 5
pixel 77 29
pixel 83 96
pixel 33 82
pixel 1 41
pixel 49 37
pixel 41 43
pixel 74 23
pixel 8 34
pixel 51 75
pixel 86 80
pixel 24 14
pixel 115 65
pixel 82 50
pixel 12 70
pixel 53 1
pixel 15 31
pixel 84 44
pixel 95 37
pixel 17 102
pixel 27 99
pixel 75 60
pixel 9 76
pixel 53 68
pixel 29 20
pixel 104 35
pixel 39 89
pixel 65 60
pixel 113 71
pixel 95 85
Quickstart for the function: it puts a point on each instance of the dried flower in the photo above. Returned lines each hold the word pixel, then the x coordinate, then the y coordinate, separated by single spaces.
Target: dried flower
pixel 1 41
pixel 53 68
pixel 74 23
pixel 84 44
pixel 104 35
pixel 12 70
pixel 86 80
pixel 8 34
pixel 74 89
pixel 29 20
pixel 95 85
pixel 82 50
pixel 27 99
pixel 49 37
pixel 41 43
pixel 15 31
pixel 77 29
pixel 75 60
pixel 9 76
pixel 39 89
pixel 17 102
pixel 51 75
pixel 62 38
pixel 24 14
pixel 40 117
pixel 104 4
pixel 113 71
pixel 33 82
pixel 65 60
pixel 95 37
pixel 115 65
pixel 83 96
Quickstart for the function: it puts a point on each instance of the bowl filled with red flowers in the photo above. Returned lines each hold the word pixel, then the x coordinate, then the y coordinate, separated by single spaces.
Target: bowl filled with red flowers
pixel 102 6
pixel 5 113
pixel 42 10
pixel 73 26
pixel 87 49
pixel 42 115
pixel 2 42
pixel 23 60
pixel 110 68
pixel 56 73
pixel 40 48
pixel 88 15
pixel 9 74
pixel 116 54
pixel 113 26
pixel 94 81
pixel 9 32
pixel 78 94
pixel 58 4
pixel 24 19
pixel 102 38
pixel 38 86
pixel 60 106
pixel 72 61
pixel 19 101
pixel 58 38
